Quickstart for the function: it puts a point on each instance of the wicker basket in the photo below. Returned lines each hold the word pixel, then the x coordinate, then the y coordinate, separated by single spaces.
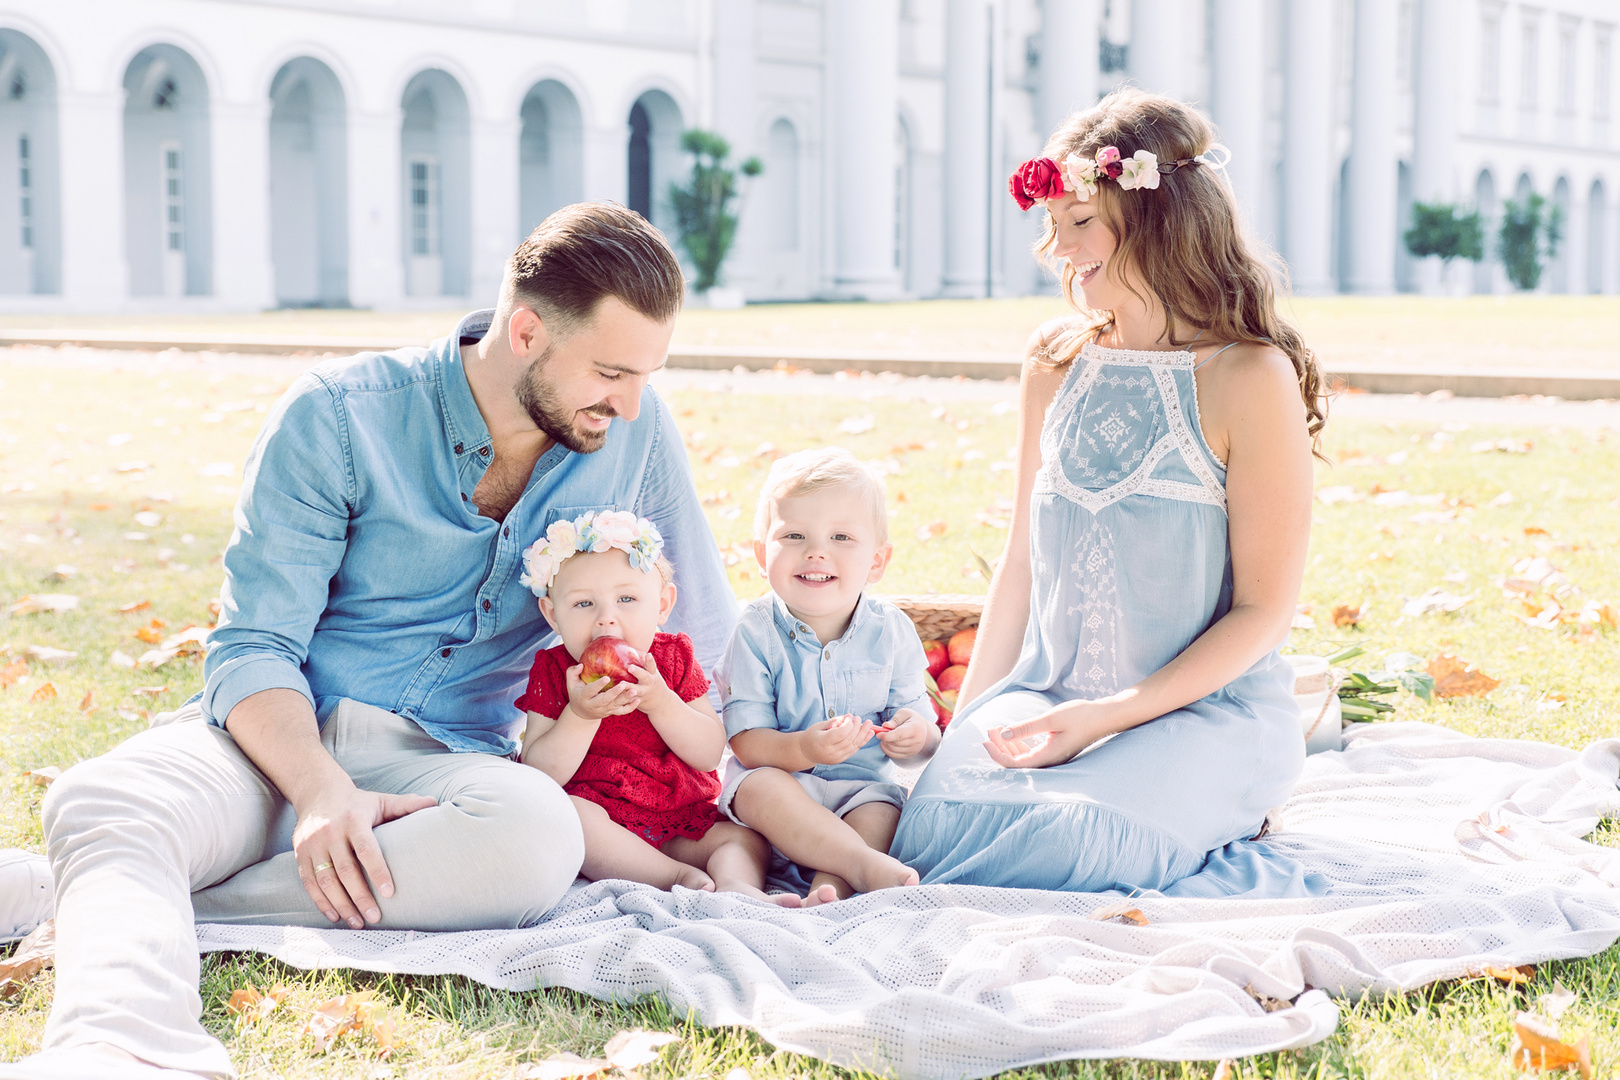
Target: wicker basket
pixel 937 617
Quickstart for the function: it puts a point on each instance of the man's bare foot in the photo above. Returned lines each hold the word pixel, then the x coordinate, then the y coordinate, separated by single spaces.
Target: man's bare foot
pixel 880 871
pixel 693 878
pixel 821 894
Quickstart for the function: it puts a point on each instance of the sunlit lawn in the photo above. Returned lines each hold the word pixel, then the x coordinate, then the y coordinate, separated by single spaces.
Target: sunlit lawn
pixel 84 448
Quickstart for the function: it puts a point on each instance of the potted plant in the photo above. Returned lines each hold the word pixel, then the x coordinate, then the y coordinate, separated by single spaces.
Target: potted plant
pixel 703 212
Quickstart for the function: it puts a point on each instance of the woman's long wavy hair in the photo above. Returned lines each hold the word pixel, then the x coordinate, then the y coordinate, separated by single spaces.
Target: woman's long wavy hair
pixel 1180 242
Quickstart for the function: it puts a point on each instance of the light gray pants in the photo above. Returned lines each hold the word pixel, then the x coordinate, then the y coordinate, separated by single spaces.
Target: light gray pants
pixel 177 821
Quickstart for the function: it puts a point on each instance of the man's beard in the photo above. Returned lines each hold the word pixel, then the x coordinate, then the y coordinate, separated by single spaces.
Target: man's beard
pixel 554 418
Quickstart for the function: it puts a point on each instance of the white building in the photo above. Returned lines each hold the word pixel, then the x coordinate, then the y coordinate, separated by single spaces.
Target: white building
pixel 244 154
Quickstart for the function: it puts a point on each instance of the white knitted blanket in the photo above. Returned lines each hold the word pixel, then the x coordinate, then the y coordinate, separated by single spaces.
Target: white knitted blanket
pixel 1446 853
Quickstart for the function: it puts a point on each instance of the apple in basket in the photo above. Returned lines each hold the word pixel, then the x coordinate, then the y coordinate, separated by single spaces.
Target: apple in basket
pixel 937 656
pixel 951 677
pixel 608 658
pixel 944 706
pixel 960 647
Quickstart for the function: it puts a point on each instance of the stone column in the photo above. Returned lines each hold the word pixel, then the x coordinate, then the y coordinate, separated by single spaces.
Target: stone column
pixel 1069 68
pixel 1238 91
pixel 1370 194
pixel 243 275
pixel 95 269
pixel 1162 46
pixel 1434 125
pixel 376 190
pixel 495 197
pixel 967 146
pixel 864 47
pixel 1308 165
pixel 735 117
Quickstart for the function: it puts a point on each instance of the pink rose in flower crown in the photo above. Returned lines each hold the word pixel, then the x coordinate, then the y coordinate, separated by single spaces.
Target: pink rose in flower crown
pixel 617 529
pixel 1036 180
pixel 1108 162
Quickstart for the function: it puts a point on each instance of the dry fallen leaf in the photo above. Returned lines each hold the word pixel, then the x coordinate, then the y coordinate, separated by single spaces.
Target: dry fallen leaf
pixel 1513 976
pixel 253 1006
pixel 120 658
pixel 1557 1002
pixel 1266 1001
pixel 151 691
pixel 45 775
pixel 1454 677
pixel 152 633
pixel 34 603
pixel 88 702
pixel 1536 1046
pixel 34 954
pixel 46 691
pixel 1223 1071
pixel 45 654
pixel 564 1066
pixel 929 531
pixel 135 605
pixel 1123 910
pixel 1345 615
pixel 13 671
pixel 1435 601
pixel 630 1050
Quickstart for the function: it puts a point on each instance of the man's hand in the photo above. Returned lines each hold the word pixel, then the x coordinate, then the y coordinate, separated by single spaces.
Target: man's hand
pixel 597 700
pixel 907 734
pixel 832 741
pixel 337 851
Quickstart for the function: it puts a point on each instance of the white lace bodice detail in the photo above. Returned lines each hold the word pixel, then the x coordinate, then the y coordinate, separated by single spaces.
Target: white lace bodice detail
pixel 1127 424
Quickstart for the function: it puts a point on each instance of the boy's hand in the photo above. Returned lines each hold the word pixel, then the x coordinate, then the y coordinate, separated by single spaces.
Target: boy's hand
pixel 597 700
pixel 832 741
pixel 907 734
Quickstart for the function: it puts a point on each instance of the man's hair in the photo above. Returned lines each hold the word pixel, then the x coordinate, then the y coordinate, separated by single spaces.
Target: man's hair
pixel 812 470
pixel 583 253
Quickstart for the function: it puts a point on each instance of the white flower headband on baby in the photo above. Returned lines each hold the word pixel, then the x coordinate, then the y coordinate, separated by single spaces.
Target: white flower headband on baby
pixel 1042 178
pixel 598 530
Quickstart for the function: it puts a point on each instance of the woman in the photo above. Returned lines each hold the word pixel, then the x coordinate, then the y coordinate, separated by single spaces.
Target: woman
pixel 1127 712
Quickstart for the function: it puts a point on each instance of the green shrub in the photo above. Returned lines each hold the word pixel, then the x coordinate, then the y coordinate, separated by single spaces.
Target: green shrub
pixel 1530 233
pixel 1443 229
pixel 703 204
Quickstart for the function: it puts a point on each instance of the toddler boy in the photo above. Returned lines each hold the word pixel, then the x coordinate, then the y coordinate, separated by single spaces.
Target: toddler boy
pixel 823 684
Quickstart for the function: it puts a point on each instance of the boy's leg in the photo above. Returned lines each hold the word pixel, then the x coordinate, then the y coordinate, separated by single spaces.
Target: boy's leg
pixel 612 851
pixel 772 802
pixel 734 857
pixel 873 822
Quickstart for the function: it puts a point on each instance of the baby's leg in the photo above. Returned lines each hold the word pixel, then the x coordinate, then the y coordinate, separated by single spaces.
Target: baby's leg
pixel 772 802
pixel 612 851
pixel 873 822
pixel 734 857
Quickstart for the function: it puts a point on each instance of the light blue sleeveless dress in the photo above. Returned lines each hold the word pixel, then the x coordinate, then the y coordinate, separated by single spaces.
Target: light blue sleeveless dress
pixel 1131 563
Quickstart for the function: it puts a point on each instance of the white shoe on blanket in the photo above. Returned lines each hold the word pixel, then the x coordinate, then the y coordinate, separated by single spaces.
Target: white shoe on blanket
pixel 27 894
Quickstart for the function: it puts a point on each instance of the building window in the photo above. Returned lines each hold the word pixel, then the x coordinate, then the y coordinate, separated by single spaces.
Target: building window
pixel 424 206
pixel 174 192
pixel 1490 56
pixel 166 96
pixel 25 187
pixel 1601 90
pixel 18 89
pixel 1567 29
pixel 1530 60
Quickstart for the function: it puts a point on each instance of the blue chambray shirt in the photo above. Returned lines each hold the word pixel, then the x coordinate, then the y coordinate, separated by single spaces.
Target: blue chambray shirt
pixel 776 674
pixel 360 568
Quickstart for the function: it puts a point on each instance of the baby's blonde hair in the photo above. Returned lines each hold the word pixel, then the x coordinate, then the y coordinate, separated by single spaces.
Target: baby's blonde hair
pixel 812 470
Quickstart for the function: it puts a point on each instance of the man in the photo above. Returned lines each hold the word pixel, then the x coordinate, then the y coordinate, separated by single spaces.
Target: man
pixel 346 761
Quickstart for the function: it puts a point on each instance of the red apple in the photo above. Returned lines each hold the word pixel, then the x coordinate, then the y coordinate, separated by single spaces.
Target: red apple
pixel 951 677
pixel 608 658
pixel 938 658
pixel 945 706
pixel 960 647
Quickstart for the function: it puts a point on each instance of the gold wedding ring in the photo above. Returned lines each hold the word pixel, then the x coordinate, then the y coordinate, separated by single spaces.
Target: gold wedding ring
pixel 318 867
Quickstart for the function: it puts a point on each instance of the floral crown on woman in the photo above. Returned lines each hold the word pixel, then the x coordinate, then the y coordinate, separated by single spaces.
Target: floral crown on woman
pixel 598 530
pixel 1042 178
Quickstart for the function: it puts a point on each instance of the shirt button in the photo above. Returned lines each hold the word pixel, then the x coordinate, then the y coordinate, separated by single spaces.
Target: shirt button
pixel 827 655
pixel 792 636
pixel 458 448
pixel 444 652
pixel 486 605
pixel 829 711
pixel 507 531
pixel 484 450
pixel 463 496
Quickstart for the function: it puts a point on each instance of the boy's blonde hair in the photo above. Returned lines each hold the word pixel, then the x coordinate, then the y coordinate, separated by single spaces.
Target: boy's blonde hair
pixel 812 470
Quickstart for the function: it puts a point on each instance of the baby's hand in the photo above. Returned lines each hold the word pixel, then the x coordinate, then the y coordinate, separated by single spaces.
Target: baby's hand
pixel 907 734
pixel 651 689
pixel 832 741
pixel 597 700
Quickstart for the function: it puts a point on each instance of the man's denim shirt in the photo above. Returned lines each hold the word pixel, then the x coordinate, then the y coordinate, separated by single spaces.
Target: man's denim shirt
pixel 777 674
pixel 359 567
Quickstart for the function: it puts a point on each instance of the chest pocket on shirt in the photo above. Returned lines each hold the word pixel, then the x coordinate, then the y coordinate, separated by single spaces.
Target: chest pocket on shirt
pixel 865 690
pixel 562 513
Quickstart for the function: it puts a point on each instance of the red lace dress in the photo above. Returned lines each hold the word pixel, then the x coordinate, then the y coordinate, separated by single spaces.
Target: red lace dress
pixel 629 770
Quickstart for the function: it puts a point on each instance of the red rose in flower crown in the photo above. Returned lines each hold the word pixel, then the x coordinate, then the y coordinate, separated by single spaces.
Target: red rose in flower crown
pixel 1036 179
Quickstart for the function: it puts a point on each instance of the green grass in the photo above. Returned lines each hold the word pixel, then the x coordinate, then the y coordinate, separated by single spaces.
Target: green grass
pixel 1473 331
pixel 63 501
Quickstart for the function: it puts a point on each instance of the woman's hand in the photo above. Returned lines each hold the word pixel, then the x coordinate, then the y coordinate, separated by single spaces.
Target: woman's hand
pixel 1051 738
pixel 597 700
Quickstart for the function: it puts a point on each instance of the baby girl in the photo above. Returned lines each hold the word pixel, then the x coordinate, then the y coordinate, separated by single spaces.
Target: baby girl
pixel 637 755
